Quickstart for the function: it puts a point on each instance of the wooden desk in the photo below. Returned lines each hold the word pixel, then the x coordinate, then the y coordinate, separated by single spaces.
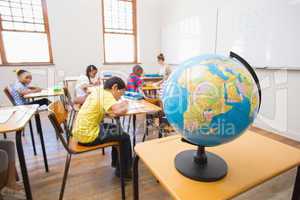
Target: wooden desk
pixel 252 159
pixel 151 87
pixel 16 123
pixel 136 108
pixel 44 93
pixel 150 90
pixel 152 79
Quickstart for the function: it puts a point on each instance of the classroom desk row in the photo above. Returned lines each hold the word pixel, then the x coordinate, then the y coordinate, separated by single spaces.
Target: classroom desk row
pixel 23 114
pixel 70 79
pixel 268 161
pixel 16 123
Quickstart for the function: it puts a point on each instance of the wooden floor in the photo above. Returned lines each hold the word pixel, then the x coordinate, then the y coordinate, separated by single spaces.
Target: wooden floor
pixel 91 176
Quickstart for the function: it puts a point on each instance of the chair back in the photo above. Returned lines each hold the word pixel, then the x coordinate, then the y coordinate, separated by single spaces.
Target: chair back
pixel 3 168
pixel 68 96
pixel 58 116
pixel 9 96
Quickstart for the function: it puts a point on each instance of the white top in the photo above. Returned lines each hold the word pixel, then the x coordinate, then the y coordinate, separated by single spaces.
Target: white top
pixel 82 84
pixel 165 71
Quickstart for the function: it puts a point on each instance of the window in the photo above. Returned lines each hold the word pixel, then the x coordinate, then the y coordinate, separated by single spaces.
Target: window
pixel 24 37
pixel 119 31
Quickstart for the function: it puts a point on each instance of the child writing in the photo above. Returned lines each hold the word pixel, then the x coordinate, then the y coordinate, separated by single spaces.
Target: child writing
pixel 89 131
pixel 85 81
pixel 22 87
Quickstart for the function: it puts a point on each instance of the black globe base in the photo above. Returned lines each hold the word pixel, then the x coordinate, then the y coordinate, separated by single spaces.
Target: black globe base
pixel 200 165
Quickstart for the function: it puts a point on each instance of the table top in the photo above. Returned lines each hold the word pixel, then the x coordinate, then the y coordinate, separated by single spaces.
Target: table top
pixel 44 93
pixel 19 118
pixel 158 78
pixel 136 107
pixel 252 159
pixel 151 87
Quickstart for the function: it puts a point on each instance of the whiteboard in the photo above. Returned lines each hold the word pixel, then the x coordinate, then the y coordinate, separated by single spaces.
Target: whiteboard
pixel 188 29
pixel 265 32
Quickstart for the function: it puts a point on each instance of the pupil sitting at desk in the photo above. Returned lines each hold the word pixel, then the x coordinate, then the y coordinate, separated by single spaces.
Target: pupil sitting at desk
pixel 85 81
pixel 89 129
pixel 135 81
pixel 22 87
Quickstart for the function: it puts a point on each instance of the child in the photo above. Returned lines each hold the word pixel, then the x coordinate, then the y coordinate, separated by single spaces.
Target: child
pixel 89 132
pixel 135 81
pixel 21 88
pixel 85 81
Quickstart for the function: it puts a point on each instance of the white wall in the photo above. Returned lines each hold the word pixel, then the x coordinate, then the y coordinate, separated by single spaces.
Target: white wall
pixel 280 102
pixel 76 37
pixel 280 111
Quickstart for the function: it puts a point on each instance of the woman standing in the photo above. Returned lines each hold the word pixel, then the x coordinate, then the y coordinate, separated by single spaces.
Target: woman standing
pixel 165 69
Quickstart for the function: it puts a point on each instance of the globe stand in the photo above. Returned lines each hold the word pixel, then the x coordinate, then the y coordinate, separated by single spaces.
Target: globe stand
pixel 200 165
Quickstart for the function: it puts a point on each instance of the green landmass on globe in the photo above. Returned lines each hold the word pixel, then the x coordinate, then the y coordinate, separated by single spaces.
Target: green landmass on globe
pixel 215 100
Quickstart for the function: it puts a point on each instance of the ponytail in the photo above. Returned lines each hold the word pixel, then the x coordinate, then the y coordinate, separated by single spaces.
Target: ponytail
pixel 88 70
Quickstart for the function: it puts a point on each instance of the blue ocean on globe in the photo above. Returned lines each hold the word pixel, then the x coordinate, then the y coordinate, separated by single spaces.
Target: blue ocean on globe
pixel 211 99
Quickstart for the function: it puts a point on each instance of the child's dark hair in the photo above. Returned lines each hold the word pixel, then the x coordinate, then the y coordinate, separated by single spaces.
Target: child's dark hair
pixel 114 80
pixel 19 72
pixel 137 68
pixel 161 57
pixel 88 70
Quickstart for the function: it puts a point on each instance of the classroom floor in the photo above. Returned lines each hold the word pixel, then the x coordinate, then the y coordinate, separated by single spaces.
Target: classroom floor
pixel 91 176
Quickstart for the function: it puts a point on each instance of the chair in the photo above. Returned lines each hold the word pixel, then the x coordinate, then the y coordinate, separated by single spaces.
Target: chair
pixel 11 99
pixel 58 116
pixel 3 170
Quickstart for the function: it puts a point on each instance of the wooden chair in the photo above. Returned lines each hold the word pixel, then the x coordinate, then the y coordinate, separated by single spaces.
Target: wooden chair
pixel 58 116
pixel 3 170
pixel 11 99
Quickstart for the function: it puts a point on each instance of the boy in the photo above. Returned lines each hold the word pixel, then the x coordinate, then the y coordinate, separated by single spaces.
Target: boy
pixel 88 130
pixel 135 82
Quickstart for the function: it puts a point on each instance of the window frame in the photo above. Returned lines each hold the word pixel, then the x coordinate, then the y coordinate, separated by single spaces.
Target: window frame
pixel 47 32
pixel 134 34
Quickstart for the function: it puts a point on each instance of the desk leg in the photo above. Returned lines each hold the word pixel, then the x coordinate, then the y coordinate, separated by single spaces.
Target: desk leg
pixel 40 132
pixel 296 193
pixel 23 165
pixel 134 129
pixel 136 177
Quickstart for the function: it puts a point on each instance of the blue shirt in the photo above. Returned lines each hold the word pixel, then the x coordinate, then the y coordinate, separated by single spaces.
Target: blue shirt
pixel 16 88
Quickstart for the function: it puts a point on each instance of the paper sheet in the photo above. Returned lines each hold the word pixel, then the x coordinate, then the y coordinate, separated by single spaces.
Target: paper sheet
pixel 134 106
pixel 6 114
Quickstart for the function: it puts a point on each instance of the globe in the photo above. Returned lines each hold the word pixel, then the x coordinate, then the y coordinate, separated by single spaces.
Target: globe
pixel 211 99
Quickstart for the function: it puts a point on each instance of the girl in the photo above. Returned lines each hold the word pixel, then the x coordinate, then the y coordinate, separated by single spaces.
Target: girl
pixel 85 81
pixel 22 87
